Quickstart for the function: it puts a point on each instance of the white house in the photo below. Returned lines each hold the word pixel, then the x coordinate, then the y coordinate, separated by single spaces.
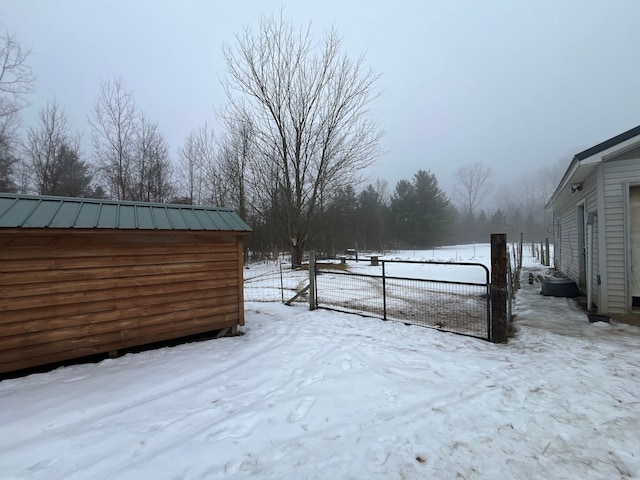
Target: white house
pixel 596 217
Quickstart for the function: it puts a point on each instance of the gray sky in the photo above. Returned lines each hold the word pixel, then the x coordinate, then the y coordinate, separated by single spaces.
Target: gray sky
pixel 514 84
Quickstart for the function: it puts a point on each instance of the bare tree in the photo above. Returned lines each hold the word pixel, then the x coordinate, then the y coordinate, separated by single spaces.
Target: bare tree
pixel 382 189
pixel 113 121
pixel 16 82
pixel 309 106
pixel 535 190
pixel 549 176
pixel 473 186
pixel 16 77
pixel 151 169
pixel 53 155
pixel 42 145
pixel 22 175
pixel 236 155
pixel 196 157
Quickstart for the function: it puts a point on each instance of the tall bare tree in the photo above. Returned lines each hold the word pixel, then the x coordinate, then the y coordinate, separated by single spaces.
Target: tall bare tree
pixel 16 77
pixel 309 106
pixel 43 144
pixel 151 171
pixel 16 82
pixel 53 153
pixel 534 190
pixel 196 161
pixel 113 123
pixel 473 186
pixel 236 155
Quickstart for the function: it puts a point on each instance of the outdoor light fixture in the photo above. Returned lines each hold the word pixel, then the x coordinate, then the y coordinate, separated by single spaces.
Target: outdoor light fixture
pixel 576 187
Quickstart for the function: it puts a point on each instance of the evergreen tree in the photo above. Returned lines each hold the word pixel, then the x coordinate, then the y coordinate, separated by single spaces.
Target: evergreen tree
pixel 498 222
pixel 7 161
pixel 73 178
pixel 420 211
pixel 342 220
pixel 371 213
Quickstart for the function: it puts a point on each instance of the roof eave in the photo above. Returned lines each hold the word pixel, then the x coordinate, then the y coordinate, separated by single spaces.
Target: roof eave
pixel 593 156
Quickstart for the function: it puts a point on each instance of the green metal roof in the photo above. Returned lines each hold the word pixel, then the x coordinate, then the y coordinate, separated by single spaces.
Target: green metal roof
pixel 26 211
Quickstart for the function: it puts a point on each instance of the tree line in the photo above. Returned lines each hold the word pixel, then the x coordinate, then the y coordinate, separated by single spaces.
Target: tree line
pixel 297 136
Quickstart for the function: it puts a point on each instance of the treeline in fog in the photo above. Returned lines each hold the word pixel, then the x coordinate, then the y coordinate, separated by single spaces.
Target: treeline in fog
pixel 294 142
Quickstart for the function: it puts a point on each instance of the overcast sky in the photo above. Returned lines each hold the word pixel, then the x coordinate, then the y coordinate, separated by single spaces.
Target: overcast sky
pixel 514 84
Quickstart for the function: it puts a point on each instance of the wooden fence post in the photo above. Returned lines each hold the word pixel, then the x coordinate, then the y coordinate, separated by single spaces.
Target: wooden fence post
pixel 542 255
pixel 312 280
pixel 499 287
pixel 547 258
pixel 520 250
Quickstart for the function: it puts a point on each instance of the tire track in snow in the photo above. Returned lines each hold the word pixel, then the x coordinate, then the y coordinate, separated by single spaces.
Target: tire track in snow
pixel 101 414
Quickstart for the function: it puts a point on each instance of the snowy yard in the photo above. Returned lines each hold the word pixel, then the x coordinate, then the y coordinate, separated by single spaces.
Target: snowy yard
pixel 328 395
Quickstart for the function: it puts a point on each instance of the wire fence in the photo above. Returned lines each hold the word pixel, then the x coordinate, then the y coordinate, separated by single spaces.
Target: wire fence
pixel 269 281
pixel 530 253
pixel 350 292
pixel 424 299
pixel 524 254
pixel 453 306
pixel 459 307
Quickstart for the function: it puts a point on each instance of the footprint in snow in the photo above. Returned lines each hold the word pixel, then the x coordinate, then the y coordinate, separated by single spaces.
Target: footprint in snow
pixel 318 377
pixel 390 395
pixel 346 364
pixel 236 427
pixel 301 409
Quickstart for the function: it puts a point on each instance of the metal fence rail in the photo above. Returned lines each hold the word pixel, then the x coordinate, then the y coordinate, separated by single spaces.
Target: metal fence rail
pixel 458 307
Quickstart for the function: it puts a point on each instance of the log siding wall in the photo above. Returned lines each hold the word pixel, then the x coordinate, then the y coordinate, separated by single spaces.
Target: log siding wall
pixel 70 294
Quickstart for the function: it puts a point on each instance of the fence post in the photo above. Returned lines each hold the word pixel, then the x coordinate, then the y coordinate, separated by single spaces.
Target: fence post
pixel 499 287
pixel 384 292
pixel 281 284
pixel 520 251
pixel 312 280
pixel 542 256
pixel 547 257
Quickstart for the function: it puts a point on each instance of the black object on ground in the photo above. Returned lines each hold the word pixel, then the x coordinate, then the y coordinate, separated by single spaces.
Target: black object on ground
pixel 559 287
pixel 596 317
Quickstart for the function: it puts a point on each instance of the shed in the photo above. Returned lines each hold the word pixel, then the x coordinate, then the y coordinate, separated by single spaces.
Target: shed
pixel 596 217
pixel 80 277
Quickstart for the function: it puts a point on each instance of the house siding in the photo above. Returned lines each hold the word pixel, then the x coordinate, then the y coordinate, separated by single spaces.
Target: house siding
pixel 619 173
pixel 607 173
pixel 595 260
pixel 566 233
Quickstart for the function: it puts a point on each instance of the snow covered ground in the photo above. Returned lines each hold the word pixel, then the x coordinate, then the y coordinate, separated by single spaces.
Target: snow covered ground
pixel 328 395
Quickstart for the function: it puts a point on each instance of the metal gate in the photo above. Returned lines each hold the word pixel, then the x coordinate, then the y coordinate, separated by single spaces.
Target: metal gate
pixel 430 294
